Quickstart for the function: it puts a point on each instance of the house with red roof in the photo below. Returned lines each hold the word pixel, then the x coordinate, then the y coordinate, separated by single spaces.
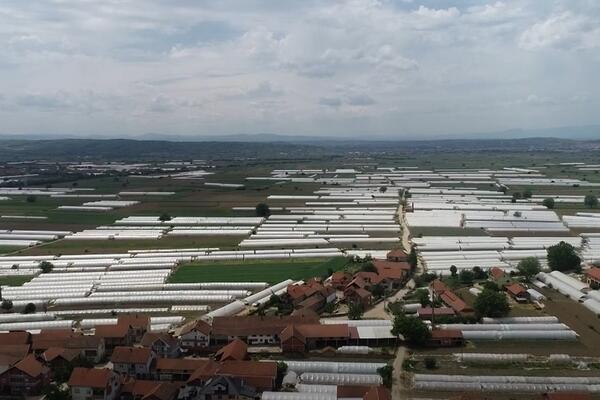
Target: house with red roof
pixel 237 350
pixel 26 377
pixel 449 298
pixel 133 361
pixel 94 384
pixel 195 335
pixel 162 344
pixel 517 292
pixel 592 277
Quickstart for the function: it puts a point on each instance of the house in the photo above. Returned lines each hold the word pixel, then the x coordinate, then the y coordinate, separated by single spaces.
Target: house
pixel 177 369
pixel 255 329
pixel 134 389
pixel 14 338
pixel 195 335
pixel 58 358
pixel 162 344
pixel 449 297
pixel 340 279
pixel 429 313
pixel 314 336
pixel 446 338
pixel 130 329
pixel 26 377
pixel 12 353
pixel 133 361
pixel 46 339
pixel 378 393
pixel 499 277
pixel 237 350
pixel 312 294
pixel 592 277
pixel 358 295
pixel 94 384
pixel 90 347
pixel 224 387
pixel 114 336
pixel 517 292
pixel 392 274
pixel 396 255
pixel 261 375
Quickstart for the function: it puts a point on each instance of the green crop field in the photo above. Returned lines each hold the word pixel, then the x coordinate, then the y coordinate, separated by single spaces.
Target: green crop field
pixel 14 280
pixel 272 271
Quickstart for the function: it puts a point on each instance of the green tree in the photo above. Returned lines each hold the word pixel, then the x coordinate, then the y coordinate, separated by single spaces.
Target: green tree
pixel 453 270
pixel 412 329
pixel 282 369
pixel 164 217
pixel 29 308
pixel 479 273
pixel 465 276
pixel 378 291
pixel 423 297
pixel 412 257
pixel 46 267
pixel 387 375
pixel 491 304
pixel 263 210
pixel 529 267
pixel 368 266
pixel 590 201
pixel 548 203
pixel 31 198
pixel 56 392
pixel 383 189
pixel 355 310
pixel 562 257
pixel 527 194
pixel 7 305
pixel 430 362
pixel 489 285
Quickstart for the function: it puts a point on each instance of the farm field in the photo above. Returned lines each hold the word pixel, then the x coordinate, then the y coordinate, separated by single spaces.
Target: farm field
pixel 271 271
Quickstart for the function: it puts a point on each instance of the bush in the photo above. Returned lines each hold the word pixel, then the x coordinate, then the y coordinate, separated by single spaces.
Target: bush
pixel 7 305
pixel 387 375
pixel 466 276
pixel 590 201
pixel 529 267
pixel 31 198
pixel 164 217
pixel 262 210
pixel 355 310
pixel 29 308
pixel 430 362
pixel 412 329
pixel 548 203
pixel 46 267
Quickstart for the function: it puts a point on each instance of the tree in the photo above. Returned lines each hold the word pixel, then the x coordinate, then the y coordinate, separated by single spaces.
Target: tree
pixel 466 276
pixel 412 329
pixel 7 305
pixel 453 270
pixel 548 203
pixel 430 362
pixel 387 375
pixel 378 291
pixel 164 217
pixel 491 304
pixel 355 310
pixel 57 392
pixel 562 257
pixel 423 297
pixel 590 200
pixel 527 194
pixel 383 189
pixel 489 285
pixel 412 257
pixel 46 267
pixel 263 210
pixel 29 308
pixel 479 273
pixel 516 196
pixel 31 199
pixel 368 267
pixel 282 369
pixel 529 267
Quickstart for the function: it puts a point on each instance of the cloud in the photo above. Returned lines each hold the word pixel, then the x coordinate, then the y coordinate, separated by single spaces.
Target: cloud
pixel 310 67
pixel 566 31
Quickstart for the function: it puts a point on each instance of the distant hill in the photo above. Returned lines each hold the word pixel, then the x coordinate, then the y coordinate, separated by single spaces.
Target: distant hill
pixel 128 149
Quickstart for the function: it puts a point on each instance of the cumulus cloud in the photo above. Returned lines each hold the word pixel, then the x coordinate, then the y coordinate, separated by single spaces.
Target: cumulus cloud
pixel 313 67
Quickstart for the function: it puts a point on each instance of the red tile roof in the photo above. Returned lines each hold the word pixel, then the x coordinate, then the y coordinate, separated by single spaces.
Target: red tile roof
pixel 378 393
pixel 134 320
pixel 255 325
pixel 235 350
pixel 438 286
pixel 593 273
pixel 324 331
pixel 198 325
pixel 439 311
pixel 497 272
pixel 446 334
pixel 54 353
pixel 150 338
pixel 291 331
pixel 90 377
pixel 515 289
pixel 111 331
pixel 15 338
pixel 130 355
pixel 180 364
pixel 31 366
pixel 397 253
pixel 457 304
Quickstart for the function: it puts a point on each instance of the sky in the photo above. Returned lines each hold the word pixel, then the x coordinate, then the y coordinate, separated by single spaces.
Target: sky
pixel 404 69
